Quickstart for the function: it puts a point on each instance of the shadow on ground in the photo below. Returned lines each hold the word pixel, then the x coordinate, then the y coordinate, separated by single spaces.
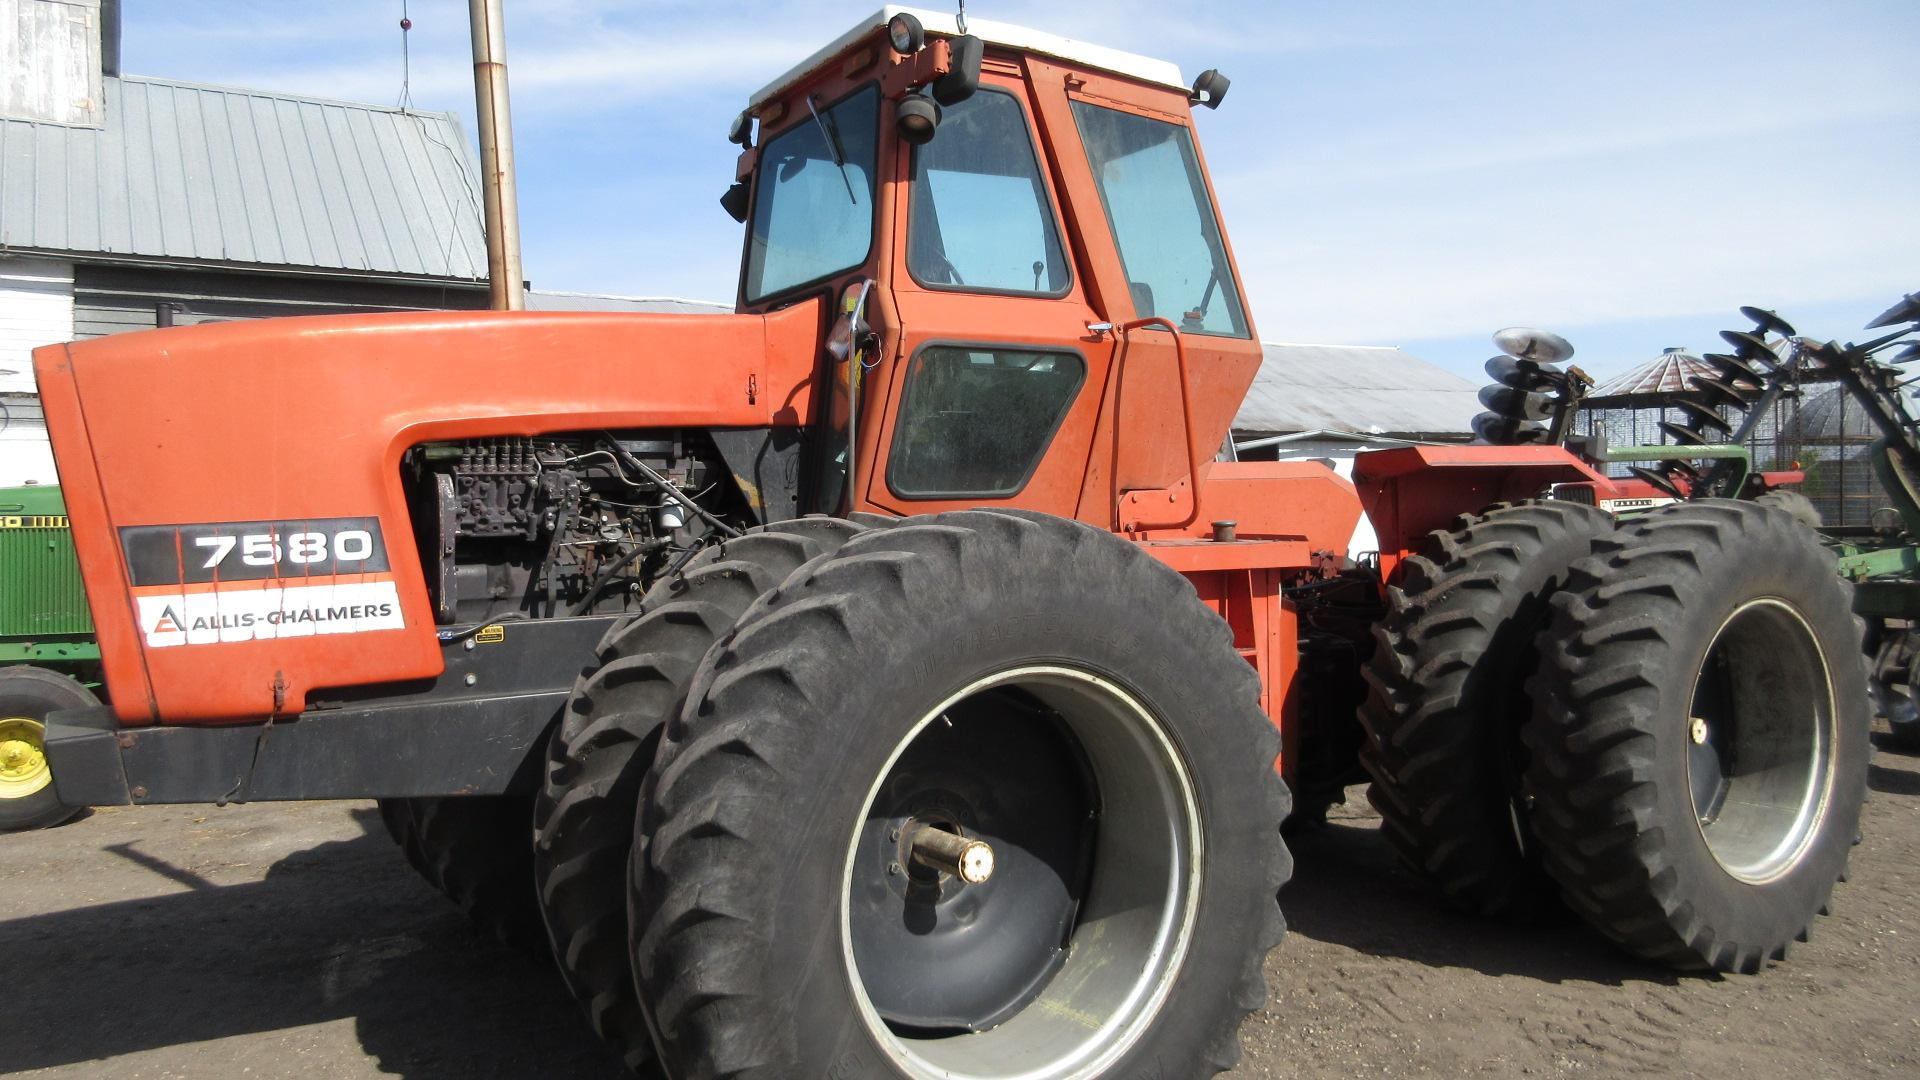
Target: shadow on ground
pixel 1348 889
pixel 342 930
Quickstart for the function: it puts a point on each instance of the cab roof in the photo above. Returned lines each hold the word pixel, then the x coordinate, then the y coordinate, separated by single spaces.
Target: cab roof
pixel 1132 65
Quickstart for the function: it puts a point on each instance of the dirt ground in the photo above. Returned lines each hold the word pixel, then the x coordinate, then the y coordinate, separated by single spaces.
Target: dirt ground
pixel 291 940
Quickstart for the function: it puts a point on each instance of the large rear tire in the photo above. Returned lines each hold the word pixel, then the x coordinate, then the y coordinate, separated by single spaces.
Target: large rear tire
pixel 1793 504
pixel 600 754
pixel 1447 699
pixel 1701 736
pixel 1022 681
pixel 477 850
pixel 27 796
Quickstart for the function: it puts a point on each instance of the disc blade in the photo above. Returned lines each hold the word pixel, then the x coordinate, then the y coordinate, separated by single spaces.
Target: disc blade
pixel 1524 374
pixel 1767 322
pixel 1908 354
pixel 1519 404
pixel 1704 417
pixel 1750 347
pixel 1721 392
pixel 1681 434
pixel 1732 367
pixel 1907 310
pixel 1506 430
pixel 1658 480
pixel 1527 343
pixel 1685 471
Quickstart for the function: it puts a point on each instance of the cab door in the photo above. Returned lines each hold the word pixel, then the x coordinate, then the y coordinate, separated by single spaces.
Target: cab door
pixel 987 389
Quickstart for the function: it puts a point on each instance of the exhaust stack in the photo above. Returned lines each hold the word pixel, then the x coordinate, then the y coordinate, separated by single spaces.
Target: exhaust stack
pixel 497 186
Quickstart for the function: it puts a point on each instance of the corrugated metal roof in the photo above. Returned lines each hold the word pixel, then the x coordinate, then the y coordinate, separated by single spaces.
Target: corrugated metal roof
pixel 1360 388
pixel 213 174
pixel 541 300
pixel 1664 374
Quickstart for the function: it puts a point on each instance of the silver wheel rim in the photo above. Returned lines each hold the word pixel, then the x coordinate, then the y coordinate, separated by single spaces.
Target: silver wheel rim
pixel 1772 731
pixel 1134 926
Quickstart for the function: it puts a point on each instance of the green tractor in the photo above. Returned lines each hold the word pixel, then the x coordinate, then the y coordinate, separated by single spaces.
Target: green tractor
pixel 48 657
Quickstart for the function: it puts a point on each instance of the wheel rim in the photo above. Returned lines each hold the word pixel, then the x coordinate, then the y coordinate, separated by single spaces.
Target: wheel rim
pixel 1760 741
pixel 23 758
pixel 1130 884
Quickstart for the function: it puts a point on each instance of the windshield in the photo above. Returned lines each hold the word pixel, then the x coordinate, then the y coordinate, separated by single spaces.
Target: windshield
pixel 813 207
pixel 981 219
pixel 1156 202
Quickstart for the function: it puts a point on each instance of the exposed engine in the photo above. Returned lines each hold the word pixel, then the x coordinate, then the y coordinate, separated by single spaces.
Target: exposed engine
pixel 563 525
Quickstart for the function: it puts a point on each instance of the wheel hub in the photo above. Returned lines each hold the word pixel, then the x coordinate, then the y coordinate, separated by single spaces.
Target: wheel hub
pixel 969 868
pixel 1053 966
pixel 23 758
pixel 1760 741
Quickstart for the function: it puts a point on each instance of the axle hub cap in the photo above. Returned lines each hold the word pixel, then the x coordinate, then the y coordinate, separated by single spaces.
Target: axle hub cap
pixel 23 758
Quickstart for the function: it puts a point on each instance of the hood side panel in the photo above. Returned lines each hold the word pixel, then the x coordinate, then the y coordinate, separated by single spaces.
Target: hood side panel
pixel 303 422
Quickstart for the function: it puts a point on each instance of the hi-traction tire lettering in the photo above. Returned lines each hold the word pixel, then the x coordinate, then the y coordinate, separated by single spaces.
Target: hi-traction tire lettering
pixel 734 903
pixel 1607 773
pixel 597 758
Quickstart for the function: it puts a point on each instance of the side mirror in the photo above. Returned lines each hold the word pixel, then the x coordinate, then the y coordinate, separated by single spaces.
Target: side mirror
pixel 851 328
pixel 1210 88
pixel 734 202
pixel 959 83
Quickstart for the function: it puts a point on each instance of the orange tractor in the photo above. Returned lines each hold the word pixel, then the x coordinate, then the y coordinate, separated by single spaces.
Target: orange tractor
pixel 885 680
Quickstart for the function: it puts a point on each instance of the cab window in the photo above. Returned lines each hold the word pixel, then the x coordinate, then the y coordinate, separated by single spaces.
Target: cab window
pixel 813 206
pixel 981 220
pixel 1157 206
pixel 975 420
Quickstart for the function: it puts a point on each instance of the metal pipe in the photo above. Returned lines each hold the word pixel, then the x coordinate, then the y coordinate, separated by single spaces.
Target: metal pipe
pixel 498 192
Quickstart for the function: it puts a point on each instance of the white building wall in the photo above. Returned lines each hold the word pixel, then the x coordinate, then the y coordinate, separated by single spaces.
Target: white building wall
pixel 50 61
pixel 36 308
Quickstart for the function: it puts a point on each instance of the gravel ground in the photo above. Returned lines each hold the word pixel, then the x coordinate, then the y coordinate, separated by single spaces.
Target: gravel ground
pixel 290 940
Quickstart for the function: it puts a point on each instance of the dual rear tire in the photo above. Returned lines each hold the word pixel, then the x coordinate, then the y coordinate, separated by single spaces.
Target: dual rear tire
pixel 787 716
pixel 1663 724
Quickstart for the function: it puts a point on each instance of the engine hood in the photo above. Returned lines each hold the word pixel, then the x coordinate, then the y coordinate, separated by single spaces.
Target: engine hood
pixel 161 434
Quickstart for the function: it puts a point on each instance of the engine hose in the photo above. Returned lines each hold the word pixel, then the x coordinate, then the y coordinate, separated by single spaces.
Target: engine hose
pixel 606 576
pixel 666 486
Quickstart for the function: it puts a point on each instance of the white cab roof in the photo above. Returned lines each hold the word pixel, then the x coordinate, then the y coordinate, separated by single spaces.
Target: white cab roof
pixel 1132 65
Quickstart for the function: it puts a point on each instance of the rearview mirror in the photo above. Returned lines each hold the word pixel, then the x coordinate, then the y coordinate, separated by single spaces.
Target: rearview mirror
pixel 734 202
pixel 1210 88
pixel 851 328
pixel 960 81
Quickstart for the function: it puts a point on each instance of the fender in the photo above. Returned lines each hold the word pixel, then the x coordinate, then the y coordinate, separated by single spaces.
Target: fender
pixel 1410 491
pixel 297 420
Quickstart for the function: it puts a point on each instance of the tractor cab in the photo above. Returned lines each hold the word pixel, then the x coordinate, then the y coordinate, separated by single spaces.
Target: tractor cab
pixel 1016 241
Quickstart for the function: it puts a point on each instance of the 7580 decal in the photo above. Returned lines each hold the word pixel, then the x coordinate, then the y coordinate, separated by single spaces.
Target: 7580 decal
pixel 300 548
pixel 253 550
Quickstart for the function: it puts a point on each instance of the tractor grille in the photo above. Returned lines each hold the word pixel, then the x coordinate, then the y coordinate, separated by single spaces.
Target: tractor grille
pixel 40 590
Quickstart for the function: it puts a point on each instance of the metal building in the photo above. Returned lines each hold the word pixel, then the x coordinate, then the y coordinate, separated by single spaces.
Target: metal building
pixel 131 203
pixel 1329 402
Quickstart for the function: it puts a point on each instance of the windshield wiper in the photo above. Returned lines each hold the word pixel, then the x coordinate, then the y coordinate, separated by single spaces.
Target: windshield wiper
pixel 830 133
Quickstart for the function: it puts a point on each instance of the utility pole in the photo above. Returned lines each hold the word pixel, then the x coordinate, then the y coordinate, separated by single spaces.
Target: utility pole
pixel 496 156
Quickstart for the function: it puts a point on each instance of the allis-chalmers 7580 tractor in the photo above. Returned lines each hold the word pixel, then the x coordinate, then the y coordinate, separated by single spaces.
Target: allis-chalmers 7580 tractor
pixel 884 680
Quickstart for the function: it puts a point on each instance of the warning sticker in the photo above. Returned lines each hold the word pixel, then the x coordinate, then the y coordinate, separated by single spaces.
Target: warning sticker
pixel 257 610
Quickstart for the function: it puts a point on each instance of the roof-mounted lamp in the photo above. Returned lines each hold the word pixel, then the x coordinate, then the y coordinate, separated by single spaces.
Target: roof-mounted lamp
pixel 905 34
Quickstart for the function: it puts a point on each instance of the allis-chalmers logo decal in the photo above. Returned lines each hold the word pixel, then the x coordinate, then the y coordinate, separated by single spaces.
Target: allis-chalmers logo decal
pixel 251 580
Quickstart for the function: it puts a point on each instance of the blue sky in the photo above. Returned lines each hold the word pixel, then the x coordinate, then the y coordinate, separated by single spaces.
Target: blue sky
pixel 1401 173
